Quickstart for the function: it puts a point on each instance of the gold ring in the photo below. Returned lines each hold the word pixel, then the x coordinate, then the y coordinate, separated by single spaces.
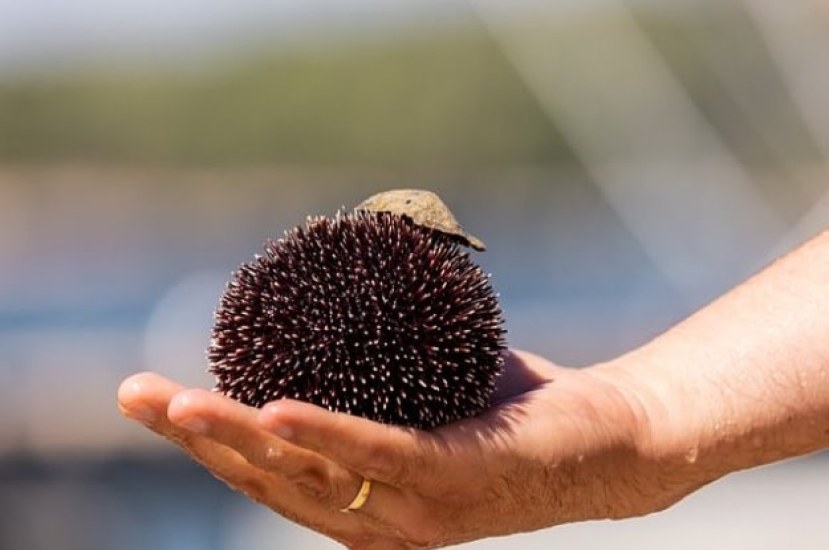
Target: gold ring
pixel 361 498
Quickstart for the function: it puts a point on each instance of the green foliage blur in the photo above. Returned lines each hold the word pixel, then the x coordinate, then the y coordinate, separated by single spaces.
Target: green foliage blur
pixel 435 99
pixel 441 97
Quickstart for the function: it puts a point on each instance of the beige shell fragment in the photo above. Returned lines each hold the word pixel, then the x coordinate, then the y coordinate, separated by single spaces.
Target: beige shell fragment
pixel 423 208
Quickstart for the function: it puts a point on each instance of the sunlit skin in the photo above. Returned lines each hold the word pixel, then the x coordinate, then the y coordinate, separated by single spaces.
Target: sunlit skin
pixel 743 382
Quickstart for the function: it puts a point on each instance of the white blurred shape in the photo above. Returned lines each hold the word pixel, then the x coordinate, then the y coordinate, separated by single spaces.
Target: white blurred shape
pixel 253 527
pixel 659 163
pixel 776 507
pixel 797 37
pixel 178 331
pixel 64 399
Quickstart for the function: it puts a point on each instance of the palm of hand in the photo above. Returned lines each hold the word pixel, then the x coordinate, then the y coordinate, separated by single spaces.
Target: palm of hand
pixel 559 446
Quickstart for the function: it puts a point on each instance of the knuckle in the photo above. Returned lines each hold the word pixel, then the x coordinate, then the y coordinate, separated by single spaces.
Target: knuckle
pixel 326 487
pixel 341 494
pixel 388 464
pixel 382 461
pixel 430 529
pixel 407 472
pixel 253 488
pixel 317 484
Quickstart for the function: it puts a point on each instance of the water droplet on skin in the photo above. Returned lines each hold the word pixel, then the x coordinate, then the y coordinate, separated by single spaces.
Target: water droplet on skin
pixel 691 455
pixel 273 454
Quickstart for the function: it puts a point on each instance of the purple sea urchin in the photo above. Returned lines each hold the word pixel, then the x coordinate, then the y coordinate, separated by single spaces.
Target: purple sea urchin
pixel 365 313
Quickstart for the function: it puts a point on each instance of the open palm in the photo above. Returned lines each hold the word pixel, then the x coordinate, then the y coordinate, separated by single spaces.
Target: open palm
pixel 572 429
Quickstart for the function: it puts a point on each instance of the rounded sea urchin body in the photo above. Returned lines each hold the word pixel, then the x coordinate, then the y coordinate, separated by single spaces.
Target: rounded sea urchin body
pixel 364 313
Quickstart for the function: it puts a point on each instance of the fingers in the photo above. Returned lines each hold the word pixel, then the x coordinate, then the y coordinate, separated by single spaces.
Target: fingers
pixel 411 470
pixel 234 425
pixel 411 458
pixel 310 489
pixel 146 396
pixel 223 435
pixel 393 455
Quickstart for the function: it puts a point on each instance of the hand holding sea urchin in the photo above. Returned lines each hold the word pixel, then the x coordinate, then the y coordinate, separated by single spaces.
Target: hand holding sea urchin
pixel 377 312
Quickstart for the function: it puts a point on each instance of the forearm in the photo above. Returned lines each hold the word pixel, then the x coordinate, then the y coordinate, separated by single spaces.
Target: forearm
pixel 745 381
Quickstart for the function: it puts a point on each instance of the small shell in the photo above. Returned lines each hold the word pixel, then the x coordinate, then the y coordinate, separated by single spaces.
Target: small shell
pixel 424 208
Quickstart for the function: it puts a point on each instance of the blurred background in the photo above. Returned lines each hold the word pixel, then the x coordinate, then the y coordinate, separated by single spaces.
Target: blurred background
pixel 625 161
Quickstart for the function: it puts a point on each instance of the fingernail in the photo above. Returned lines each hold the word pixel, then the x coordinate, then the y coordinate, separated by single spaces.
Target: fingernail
pixel 195 425
pixel 143 414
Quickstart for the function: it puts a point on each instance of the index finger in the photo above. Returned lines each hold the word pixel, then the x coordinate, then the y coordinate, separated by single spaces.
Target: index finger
pixel 398 456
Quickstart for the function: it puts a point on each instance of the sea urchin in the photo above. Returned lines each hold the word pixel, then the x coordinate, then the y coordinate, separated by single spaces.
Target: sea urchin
pixel 365 313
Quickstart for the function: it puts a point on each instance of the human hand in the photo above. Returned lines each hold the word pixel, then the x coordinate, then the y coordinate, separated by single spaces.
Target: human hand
pixel 560 445
pixel 743 382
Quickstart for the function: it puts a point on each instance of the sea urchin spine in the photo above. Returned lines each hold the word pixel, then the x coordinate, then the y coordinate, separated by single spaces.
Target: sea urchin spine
pixel 365 313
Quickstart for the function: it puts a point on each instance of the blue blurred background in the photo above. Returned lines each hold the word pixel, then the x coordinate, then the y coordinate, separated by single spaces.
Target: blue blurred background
pixel 625 161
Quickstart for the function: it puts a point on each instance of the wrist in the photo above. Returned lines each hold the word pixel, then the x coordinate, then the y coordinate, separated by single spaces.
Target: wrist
pixel 694 429
pixel 675 453
pixel 742 382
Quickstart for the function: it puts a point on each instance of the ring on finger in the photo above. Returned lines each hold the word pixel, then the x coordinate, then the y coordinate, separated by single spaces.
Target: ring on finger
pixel 361 497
